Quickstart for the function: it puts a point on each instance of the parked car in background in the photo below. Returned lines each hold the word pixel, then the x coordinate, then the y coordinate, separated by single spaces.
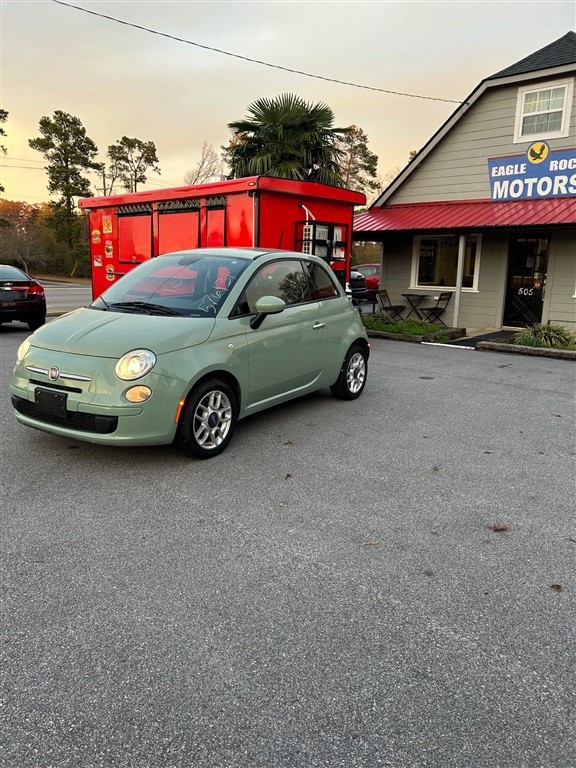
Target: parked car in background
pixel 371 273
pixel 356 285
pixel 188 343
pixel 21 298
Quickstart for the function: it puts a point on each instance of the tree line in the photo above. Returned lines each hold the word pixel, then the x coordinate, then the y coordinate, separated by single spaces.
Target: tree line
pixel 284 137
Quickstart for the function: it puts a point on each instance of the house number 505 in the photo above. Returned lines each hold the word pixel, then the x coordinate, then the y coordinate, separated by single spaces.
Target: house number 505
pixel 525 291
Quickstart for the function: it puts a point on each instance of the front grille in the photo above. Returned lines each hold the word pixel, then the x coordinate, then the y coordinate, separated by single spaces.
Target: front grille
pixel 83 422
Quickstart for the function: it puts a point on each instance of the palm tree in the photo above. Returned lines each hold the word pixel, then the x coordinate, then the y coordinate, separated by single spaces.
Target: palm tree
pixel 288 138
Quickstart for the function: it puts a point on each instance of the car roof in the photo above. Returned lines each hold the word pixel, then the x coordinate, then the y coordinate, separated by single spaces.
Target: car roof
pixel 248 254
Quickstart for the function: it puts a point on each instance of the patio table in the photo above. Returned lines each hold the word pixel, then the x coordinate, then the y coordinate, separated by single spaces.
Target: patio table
pixel 414 300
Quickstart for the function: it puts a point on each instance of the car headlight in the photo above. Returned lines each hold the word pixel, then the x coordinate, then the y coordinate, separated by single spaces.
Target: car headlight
pixel 23 349
pixel 135 364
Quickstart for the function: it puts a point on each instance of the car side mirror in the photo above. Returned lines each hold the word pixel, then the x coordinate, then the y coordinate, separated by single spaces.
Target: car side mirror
pixel 266 305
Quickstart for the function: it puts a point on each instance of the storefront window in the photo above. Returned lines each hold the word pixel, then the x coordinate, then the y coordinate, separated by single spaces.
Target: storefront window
pixel 436 261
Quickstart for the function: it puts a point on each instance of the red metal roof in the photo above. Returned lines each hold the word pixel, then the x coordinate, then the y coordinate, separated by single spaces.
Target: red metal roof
pixel 466 214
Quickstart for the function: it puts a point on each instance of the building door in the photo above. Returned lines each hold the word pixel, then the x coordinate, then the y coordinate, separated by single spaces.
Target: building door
pixel 527 262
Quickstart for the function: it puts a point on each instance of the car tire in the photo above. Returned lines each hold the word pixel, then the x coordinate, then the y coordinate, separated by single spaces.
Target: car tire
pixel 352 377
pixel 35 321
pixel 208 420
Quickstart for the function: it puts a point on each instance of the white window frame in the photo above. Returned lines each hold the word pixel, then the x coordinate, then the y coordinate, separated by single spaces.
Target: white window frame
pixel 568 85
pixel 416 257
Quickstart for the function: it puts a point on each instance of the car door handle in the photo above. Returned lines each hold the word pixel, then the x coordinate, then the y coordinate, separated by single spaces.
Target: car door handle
pixel 318 325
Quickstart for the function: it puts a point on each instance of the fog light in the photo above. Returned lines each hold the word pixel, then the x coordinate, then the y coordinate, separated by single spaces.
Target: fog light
pixel 138 394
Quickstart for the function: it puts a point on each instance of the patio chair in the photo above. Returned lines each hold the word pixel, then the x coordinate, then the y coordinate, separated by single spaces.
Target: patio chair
pixel 394 310
pixel 434 314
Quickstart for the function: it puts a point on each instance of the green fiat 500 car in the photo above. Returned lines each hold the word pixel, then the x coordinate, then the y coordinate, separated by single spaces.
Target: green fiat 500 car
pixel 186 344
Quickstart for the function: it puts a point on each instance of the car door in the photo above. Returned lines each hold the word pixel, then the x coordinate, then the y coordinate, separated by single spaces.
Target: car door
pixel 287 352
pixel 334 310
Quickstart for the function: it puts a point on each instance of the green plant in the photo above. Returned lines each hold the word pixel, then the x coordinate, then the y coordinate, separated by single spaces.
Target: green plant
pixel 383 322
pixel 547 335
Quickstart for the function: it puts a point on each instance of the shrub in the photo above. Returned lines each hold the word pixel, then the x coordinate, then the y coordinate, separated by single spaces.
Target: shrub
pixel 547 335
pixel 383 322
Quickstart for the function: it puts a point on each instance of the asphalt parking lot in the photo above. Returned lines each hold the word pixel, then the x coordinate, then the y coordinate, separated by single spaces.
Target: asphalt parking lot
pixel 328 593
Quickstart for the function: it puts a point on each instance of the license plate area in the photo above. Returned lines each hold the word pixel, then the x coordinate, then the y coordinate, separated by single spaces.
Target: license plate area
pixel 51 403
pixel 12 295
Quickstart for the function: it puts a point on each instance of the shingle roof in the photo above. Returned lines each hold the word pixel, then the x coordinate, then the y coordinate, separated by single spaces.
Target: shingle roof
pixel 556 54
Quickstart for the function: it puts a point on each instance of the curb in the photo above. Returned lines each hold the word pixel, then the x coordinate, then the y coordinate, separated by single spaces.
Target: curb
pixel 517 349
pixel 486 346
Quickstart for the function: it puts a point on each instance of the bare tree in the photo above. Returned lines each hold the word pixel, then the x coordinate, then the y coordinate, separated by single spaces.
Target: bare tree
pixel 24 238
pixel 391 174
pixel 210 165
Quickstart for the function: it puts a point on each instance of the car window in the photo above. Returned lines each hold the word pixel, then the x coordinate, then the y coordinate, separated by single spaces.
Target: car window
pixel 323 282
pixel 367 270
pixel 284 279
pixel 11 273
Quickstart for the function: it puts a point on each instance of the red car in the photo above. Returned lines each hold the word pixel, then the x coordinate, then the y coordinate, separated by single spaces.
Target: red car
pixel 371 274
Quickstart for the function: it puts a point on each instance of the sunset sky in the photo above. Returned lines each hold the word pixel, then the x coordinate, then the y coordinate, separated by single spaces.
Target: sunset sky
pixel 119 80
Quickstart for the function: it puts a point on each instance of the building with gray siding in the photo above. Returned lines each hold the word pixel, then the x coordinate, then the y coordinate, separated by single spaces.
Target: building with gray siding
pixel 487 209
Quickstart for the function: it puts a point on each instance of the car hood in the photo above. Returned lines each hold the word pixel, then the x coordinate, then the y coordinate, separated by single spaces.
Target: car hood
pixel 112 334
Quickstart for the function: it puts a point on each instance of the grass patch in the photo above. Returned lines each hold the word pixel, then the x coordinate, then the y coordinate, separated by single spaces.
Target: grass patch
pixel 383 322
pixel 547 335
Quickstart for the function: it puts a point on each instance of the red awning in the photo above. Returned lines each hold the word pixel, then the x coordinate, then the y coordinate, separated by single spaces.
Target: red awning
pixel 467 214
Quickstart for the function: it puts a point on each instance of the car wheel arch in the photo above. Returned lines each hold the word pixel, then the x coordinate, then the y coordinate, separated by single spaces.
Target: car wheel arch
pixel 361 342
pixel 352 376
pixel 221 375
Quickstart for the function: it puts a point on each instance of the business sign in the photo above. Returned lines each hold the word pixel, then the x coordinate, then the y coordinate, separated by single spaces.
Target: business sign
pixel 539 173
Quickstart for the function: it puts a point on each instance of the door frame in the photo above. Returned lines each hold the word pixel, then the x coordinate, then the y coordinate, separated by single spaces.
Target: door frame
pixel 524 292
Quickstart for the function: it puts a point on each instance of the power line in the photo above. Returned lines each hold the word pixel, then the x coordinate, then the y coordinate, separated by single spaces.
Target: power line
pixel 24 167
pixel 25 159
pixel 253 61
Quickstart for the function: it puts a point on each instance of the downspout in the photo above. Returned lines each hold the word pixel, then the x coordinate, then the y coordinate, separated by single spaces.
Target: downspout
pixel 459 279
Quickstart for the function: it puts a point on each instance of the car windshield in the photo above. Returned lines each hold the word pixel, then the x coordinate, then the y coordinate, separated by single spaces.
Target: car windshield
pixel 187 286
pixel 367 269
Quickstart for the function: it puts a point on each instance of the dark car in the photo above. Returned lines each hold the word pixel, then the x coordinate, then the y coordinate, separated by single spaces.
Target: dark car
pixel 21 298
pixel 357 283
pixel 358 286
pixel 371 274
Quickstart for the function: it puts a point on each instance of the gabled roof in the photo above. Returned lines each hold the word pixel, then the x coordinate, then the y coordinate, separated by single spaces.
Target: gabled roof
pixel 564 48
pixel 556 54
pixel 466 214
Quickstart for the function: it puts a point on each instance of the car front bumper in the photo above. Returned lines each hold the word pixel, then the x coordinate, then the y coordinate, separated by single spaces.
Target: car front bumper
pixel 88 403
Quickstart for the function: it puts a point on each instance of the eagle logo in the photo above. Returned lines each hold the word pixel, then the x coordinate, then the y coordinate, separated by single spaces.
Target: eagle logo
pixel 538 152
